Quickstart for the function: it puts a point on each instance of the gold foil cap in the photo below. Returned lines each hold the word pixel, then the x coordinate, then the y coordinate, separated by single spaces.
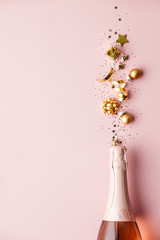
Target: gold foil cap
pixel 118 157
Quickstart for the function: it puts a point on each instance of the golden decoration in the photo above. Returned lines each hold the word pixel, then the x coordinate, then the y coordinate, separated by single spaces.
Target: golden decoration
pixel 135 73
pixel 107 77
pixel 119 87
pixel 122 39
pixel 112 53
pixel 109 106
pixel 126 118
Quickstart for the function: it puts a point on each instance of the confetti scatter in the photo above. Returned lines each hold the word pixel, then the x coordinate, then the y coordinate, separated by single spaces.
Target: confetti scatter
pixel 105 91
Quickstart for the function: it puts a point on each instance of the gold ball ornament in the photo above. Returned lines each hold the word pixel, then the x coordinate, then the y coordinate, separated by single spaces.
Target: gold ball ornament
pixel 109 106
pixel 126 118
pixel 135 73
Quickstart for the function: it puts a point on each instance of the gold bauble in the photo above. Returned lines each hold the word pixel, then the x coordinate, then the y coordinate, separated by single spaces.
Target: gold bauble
pixel 126 118
pixel 135 73
pixel 109 106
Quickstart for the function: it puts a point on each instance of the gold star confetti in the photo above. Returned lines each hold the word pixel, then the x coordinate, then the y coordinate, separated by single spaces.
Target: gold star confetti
pixel 122 39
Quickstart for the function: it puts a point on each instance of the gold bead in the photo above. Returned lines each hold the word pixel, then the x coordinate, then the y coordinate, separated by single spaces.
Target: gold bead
pixel 126 118
pixel 135 73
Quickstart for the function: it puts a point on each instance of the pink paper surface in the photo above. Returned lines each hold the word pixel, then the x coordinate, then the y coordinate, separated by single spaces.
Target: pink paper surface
pixel 53 137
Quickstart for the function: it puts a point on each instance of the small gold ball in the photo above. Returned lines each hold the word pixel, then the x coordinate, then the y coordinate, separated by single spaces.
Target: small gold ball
pixel 135 73
pixel 126 118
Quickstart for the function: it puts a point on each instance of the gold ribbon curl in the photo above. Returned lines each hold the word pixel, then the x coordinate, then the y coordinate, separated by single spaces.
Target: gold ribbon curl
pixel 119 87
pixel 107 77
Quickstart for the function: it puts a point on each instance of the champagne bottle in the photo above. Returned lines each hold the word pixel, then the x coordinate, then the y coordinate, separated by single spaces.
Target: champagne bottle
pixel 118 221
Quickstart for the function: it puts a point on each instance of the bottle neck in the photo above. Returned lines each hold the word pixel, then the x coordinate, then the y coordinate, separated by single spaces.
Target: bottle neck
pixel 118 205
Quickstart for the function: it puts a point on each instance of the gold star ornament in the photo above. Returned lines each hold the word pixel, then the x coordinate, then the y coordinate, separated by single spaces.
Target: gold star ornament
pixel 122 39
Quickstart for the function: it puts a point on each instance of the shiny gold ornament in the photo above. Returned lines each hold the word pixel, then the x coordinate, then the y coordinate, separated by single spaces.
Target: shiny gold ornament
pixel 112 53
pixel 107 77
pixel 109 106
pixel 135 73
pixel 122 39
pixel 126 118
pixel 119 87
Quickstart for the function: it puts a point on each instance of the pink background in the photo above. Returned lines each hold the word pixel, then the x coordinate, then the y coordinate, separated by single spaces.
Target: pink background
pixel 54 150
